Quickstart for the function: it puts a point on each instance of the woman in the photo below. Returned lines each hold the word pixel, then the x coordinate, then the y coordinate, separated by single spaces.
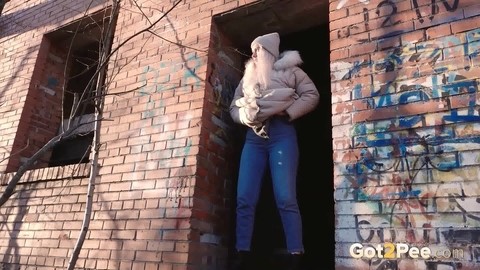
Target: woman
pixel 273 93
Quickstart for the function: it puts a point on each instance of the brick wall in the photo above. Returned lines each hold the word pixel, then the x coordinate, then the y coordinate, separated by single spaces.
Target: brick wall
pixel 163 192
pixel 405 104
pixel 41 114
pixel 42 221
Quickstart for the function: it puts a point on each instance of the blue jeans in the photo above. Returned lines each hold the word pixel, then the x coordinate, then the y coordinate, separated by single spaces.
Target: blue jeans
pixel 280 153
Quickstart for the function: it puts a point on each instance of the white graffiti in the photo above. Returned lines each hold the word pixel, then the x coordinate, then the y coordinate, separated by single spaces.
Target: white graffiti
pixel 342 3
pixel 340 69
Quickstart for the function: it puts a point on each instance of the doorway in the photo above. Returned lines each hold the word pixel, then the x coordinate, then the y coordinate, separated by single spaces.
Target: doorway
pixel 305 29
pixel 315 174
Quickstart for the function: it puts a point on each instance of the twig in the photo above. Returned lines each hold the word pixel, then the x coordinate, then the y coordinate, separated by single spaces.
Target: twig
pixel 16 153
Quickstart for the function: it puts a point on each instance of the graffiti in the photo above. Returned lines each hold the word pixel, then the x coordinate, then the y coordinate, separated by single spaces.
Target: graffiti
pixel 346 71
pixel 413 177
pixel 179 185
pixel 156 79
pixel 411 85
pixel 181 178
pixel 387 10
pixel 223 88
pixel 476 254
pixel 346 32
pixel 223 83
pixel 363 226
pixel 52 82
pixel 388 21
pixel 462 236
pixel 443 265
pixel 434 8
pixel 180 182
pixel 378 229
pixel 388 195
pixel 467 207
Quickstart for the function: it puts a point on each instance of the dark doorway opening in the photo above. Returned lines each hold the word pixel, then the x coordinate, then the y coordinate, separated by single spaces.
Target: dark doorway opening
pixel 315 175
pixel 303 27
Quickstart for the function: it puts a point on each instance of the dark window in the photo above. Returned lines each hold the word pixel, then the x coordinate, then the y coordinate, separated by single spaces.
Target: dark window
pixel 72 151
pixel 82 40
pixel 80 86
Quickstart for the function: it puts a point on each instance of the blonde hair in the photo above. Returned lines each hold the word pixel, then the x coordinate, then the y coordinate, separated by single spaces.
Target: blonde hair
pixel 264 67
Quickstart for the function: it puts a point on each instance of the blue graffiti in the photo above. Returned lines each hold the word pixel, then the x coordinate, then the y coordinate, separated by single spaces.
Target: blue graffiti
pixel 408 122
pixel 471 87
pixel 356 68
pixel 391 62
pixel 359 195
pixel 52 82
pixel 156 80
pixel 413 96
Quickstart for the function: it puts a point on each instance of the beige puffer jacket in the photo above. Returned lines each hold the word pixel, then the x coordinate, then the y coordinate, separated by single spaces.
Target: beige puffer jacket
pixel 291 91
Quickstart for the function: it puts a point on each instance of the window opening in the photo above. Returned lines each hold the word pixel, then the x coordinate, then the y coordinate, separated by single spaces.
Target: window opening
pixel 83 39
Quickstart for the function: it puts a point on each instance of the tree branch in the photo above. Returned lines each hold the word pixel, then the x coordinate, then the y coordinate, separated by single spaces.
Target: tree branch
pixel 99 103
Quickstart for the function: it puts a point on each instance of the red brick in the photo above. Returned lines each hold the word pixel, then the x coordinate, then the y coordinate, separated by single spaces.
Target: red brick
pixel 438 31
pixel 350 20
pixel 349 41
pixel 465 25
pixel 175 257
pixel 338 54
pixel 362 49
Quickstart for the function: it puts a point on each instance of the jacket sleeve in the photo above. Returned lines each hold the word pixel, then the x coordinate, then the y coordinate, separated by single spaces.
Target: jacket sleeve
pixel 308 95
pixel 275 101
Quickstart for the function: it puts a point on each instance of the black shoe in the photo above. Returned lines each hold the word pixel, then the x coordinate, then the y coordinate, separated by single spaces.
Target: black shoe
pixel 241 261
pixel 294 261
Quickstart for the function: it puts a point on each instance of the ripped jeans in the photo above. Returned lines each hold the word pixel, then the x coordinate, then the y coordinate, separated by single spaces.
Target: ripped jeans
pixel 280 154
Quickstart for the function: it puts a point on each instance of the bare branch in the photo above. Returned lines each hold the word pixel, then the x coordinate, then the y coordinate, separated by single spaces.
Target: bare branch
pixel 176 43
pixel 116 94
pixel 64 86
pixel 99 103
pixel 139 8
pixel 143 30
pixel 16 153
pixel 9 190
pixel 96 89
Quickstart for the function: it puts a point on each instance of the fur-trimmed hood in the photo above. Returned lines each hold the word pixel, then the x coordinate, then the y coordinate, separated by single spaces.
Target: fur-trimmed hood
pixel 288 59
pixel 290 91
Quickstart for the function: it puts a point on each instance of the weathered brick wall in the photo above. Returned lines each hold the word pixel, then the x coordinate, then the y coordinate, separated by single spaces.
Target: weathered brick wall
pixel 21 72
pixel 163 148
pixel 41 114
pixel 41 222
pixel 165 144
pixel 219 156
pixel 405 104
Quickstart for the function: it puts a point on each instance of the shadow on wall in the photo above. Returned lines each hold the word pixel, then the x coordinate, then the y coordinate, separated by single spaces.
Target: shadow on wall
pixel 46 13
pixel 11 256
pixel 11 78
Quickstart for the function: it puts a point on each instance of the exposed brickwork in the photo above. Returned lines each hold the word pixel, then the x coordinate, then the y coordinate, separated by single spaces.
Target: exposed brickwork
pixel 41 113
pixel 406 129
pixel 162 196
pixel 406 135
